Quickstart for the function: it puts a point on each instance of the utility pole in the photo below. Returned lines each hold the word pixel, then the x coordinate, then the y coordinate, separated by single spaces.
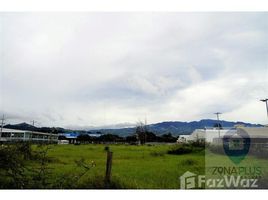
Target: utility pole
pixel 145 129
pixel 33 129
pixel 218 119
pixel 2 124
pixel 265 100
pixel 33 122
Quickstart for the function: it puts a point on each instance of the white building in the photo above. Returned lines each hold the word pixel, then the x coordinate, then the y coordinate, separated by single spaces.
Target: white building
pixel 182 138
pixel 210 135
pixel 256 132
pixel 12 135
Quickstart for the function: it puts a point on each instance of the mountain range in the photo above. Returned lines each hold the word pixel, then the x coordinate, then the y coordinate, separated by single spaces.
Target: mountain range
pixel 174 127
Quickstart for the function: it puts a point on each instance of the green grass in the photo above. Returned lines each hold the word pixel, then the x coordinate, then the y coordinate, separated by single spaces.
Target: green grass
pixel 212 160
pixel 133 166
pixel 251 167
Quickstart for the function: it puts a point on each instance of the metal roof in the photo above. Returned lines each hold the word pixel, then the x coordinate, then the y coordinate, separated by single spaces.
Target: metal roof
pixel 8 130
pixel 210 134
pixel 71 135
pixel 256 132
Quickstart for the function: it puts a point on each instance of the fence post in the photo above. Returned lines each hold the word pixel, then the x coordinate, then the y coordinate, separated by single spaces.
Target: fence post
pixel 108 167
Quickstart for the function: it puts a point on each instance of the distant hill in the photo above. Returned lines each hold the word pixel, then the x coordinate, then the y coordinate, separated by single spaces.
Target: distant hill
pixel 21 126
pixel 179 128
pixel 174 127
pixel 28 127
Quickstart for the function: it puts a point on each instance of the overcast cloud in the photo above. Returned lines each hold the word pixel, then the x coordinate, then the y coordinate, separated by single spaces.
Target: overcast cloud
pixel 94 69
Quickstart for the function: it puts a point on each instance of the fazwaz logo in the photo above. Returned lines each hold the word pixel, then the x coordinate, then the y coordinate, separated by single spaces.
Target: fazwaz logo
pixel 236 146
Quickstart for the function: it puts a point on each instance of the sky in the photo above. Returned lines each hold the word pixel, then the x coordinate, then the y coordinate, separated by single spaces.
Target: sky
pixel 98 69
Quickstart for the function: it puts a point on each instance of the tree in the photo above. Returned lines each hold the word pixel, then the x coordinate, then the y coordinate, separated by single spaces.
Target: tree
pixel 168 138
pixel 141 130
pixel 110 138
pixel 62 137
pixel 150 137
pixel 131 139
pixel 84 138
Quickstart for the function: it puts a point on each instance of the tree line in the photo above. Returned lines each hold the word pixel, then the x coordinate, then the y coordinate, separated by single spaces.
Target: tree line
pixel 132 139
pixel 142 135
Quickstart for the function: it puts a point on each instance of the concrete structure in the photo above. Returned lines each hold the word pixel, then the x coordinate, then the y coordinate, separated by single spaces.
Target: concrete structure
pixel 12 135
pixel 183 138
pixel 208 134
pixel 257 135
pixel 71 137
pixel 256 132
pixel 63 142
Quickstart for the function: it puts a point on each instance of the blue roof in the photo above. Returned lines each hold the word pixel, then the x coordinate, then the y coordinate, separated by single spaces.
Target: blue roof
pixel 71 135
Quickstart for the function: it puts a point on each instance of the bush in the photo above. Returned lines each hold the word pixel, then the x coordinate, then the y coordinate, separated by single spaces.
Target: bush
pixel 199 144
pixel 21 167
pixel 12 167
pixel 188 162
pixel 17 168
pixel 180 149
pixel 185 148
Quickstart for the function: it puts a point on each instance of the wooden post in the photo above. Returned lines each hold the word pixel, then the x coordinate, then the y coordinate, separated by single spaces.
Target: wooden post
pixel 108 167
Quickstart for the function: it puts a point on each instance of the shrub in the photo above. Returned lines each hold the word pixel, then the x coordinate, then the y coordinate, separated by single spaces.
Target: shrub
pixel 199 144
pixel 21 167
pixel 106 148
pixel 180 149
pixel 188 162
pixel 12 167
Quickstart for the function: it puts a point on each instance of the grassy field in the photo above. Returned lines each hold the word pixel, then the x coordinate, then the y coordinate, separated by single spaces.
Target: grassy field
pixel 133 166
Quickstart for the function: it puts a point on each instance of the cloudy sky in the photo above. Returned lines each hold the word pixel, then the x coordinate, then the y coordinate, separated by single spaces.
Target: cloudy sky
pixel 95 69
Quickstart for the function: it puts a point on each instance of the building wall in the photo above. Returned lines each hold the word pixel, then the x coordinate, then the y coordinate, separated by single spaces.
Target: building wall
pixel 11 135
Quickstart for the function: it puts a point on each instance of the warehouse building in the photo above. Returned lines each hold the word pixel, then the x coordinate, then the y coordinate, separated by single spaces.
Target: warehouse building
pixel 12 135
pixel 257 135
pixel 209 134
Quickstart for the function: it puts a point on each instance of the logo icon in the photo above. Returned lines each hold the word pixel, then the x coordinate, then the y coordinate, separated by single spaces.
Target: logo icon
pixel 190 180
pixel 187 180
pixel 236 146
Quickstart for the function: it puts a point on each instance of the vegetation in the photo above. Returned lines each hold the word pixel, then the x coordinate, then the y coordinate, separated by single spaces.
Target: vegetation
pixel 25 166
pixel 140 137
pixel 83 166
pixel 185 148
